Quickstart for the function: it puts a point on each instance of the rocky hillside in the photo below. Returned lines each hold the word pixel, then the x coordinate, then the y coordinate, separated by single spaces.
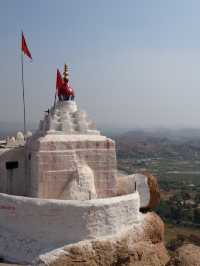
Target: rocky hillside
pixel 186 255
pixel 140 245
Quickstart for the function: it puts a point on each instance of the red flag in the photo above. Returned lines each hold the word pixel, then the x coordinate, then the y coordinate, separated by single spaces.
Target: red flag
pixel 59 82
pixel 25 47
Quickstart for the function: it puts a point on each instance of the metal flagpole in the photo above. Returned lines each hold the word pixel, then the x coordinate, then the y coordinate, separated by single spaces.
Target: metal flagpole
pixel 23 94
pixel 54 105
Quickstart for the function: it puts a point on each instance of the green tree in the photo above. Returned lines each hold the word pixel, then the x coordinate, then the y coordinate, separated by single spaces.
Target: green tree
pixel 164 209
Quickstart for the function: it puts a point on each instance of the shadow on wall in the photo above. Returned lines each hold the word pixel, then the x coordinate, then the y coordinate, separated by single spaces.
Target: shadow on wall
pixel 12 171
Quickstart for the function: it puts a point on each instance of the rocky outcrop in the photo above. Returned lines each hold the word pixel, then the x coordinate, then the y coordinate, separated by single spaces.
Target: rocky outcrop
pixel 153 190
pixel 187 255
pixel 140 244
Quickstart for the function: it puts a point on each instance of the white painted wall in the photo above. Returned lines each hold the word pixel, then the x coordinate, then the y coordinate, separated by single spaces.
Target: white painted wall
pixel 53 169
pixel 31 226
pixel 142 187
pixel 12 181
pixel 126 184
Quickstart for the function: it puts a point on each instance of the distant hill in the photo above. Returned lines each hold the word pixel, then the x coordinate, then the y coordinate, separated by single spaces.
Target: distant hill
pixel 184 143
pixel 182 134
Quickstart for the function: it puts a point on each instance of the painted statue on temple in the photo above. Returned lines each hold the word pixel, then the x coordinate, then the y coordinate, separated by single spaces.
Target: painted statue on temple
pixel 65 91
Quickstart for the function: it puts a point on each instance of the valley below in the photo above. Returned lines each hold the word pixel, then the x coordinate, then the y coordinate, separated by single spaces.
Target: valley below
pixel 174 159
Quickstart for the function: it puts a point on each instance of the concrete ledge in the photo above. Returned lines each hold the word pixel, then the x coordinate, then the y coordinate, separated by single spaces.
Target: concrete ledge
pixel 32 226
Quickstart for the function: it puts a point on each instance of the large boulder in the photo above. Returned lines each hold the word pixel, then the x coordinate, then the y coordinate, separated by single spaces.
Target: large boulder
pixel 141 245
pixel 187 255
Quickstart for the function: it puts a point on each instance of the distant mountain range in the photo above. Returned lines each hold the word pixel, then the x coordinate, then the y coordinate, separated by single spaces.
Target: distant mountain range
pixel 183 134
pixel 179 143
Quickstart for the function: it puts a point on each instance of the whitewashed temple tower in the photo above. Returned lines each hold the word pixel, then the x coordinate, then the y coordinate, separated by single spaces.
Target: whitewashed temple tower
pixel 67 158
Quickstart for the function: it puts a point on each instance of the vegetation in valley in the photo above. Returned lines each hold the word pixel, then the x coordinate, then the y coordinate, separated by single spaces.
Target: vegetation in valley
pixel 176 164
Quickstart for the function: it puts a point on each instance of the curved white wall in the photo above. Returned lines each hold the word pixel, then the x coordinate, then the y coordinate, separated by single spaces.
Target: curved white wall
pixel 30 226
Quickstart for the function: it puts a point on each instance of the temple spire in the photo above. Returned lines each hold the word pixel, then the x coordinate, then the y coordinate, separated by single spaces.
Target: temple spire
pixel 66 73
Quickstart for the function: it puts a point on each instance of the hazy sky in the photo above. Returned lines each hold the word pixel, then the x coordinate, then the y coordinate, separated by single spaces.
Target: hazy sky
pixel 133 62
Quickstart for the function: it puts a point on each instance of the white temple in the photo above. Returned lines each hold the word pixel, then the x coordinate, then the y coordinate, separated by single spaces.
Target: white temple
pixel 73 160
pixel 60 186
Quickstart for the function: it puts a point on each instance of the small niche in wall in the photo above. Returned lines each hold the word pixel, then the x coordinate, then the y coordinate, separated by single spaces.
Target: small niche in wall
pixel 12 165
